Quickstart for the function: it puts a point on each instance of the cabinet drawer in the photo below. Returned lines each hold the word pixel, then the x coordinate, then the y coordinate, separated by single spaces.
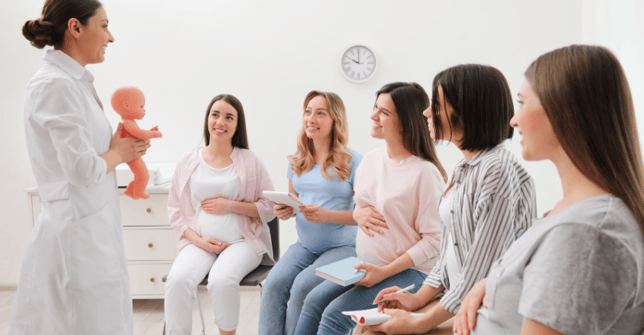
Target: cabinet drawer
pixel 145 212
pixel 145 278
pixel 150 244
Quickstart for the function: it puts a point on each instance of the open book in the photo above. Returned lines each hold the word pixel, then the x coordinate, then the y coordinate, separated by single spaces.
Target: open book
pixel 370 317
pixel 342 271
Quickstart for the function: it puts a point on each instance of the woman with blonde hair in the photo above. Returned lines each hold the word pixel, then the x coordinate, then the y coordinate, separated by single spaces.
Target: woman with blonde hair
pixel 579 269
pixel 398 188
pixel 321 173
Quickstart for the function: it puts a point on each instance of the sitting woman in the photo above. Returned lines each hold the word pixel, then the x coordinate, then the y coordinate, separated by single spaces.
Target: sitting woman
pixel 216 205
pixel 321 173
pixel 398 188
pixel 489 203
pixel 580 269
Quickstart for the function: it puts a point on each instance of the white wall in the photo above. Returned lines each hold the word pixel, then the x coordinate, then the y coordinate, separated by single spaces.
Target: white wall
pixel 618 25
pixel 270 54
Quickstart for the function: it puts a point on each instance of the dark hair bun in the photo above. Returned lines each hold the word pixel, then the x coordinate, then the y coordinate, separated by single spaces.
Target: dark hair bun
pixel 39 33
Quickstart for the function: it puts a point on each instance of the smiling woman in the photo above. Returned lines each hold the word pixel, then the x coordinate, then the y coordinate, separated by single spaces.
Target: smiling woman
pixel 74 276
pixel 78 28
pixel 397 189
pixel 580 268
pixel 321 173
pixel 218 210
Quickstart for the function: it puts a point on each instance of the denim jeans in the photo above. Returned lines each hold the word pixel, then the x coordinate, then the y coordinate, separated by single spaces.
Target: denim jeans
pixel 324 305
pixel 290 280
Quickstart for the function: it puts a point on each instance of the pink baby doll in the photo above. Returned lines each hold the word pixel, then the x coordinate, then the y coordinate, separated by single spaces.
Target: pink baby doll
pixel 128 101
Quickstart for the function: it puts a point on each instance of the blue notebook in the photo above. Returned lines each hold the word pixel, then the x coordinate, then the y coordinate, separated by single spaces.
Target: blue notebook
pixel 341 272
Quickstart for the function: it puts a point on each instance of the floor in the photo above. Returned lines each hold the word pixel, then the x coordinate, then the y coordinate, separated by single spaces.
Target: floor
pixel 148 314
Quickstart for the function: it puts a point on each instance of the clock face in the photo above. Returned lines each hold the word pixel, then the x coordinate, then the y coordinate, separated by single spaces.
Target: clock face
pixel 358 63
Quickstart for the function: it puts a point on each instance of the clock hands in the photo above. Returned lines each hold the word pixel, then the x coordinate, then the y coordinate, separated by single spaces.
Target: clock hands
pixel 353 60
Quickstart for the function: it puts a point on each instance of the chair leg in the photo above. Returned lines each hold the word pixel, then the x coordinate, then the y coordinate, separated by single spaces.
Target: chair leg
pixel 163 327
pixel 203 325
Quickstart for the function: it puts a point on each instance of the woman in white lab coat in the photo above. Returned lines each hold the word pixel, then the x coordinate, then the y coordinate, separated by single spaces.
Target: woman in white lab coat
pixel 74 278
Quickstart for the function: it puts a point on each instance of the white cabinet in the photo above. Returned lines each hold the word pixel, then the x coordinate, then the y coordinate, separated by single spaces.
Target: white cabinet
pixel 150 242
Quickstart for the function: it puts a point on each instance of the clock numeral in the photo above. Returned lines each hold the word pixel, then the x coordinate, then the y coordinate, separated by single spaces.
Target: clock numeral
pixel 347 69
pixel 370 69
pixel 371 63
pixel 346 63
pixel 370 56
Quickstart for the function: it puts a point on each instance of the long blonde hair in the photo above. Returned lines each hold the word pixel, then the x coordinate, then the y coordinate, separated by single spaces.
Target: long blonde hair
pixel 339 157
pixel 587 99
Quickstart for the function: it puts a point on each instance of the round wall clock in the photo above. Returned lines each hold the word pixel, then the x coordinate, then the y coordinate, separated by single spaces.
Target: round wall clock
pixel 358 64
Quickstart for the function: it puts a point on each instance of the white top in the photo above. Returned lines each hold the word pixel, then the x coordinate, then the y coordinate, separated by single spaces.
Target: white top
pixel 75 258
pixel 452 267
pixel 206 182
pixel 66 132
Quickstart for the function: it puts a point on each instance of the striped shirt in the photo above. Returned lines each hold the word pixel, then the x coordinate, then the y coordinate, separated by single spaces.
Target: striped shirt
pixel 493 204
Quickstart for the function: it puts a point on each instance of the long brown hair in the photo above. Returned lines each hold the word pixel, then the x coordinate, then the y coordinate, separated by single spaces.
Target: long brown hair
pixel 50 28
pixel 411 100
pixel 240 138
pixel 588 101
pixel 339 157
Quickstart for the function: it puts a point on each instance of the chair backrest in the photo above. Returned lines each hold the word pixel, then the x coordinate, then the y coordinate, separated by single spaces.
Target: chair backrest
pixel 274 227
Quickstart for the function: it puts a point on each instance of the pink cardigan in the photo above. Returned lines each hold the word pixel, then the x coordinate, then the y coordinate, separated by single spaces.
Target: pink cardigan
pixel 253 180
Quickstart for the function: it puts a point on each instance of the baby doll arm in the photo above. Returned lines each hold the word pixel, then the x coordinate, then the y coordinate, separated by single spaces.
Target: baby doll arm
pixel 131 127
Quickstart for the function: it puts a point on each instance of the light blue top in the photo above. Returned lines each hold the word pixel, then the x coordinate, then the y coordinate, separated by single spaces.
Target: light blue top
pixel 337 195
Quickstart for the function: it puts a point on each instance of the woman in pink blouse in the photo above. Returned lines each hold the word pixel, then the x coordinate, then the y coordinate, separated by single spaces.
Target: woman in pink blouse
pixel 217 208
pixel 397 191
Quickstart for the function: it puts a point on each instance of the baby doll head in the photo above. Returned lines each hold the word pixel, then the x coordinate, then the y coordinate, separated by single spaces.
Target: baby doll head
pixel 128 101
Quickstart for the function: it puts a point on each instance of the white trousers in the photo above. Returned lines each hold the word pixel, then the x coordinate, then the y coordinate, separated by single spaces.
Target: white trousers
pixel 225 270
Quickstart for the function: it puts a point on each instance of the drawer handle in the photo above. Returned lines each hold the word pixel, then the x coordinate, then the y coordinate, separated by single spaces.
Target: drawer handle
pixel 152 280
pixel 149 210
pixel 150 245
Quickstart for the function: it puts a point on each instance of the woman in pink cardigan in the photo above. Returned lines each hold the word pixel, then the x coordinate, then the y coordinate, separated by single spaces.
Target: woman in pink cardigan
pixel 217 208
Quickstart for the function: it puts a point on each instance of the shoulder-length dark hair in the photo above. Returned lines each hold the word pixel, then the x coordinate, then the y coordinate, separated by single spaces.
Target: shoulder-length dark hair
pixel 481 104
pixel 240 138
pixel 50 28
pixel 411 100
pixel 587 99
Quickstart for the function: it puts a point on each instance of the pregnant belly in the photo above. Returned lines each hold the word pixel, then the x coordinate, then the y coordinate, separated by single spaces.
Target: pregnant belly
pixel 223 228
pixel 381 249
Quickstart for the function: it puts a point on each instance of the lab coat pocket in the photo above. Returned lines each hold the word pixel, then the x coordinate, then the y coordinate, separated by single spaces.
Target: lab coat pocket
pixel 53 191
pixel 55 200
pixel 98 273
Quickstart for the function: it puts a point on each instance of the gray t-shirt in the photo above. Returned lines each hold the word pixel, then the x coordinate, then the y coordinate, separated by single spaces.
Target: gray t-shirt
pixel 580 271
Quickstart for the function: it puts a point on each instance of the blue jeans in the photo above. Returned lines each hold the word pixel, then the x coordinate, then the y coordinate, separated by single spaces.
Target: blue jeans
pixel 293 277
pixel 324 305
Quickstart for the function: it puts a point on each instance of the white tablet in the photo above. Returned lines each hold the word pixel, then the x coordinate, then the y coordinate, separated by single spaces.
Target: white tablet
pixel 286 198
